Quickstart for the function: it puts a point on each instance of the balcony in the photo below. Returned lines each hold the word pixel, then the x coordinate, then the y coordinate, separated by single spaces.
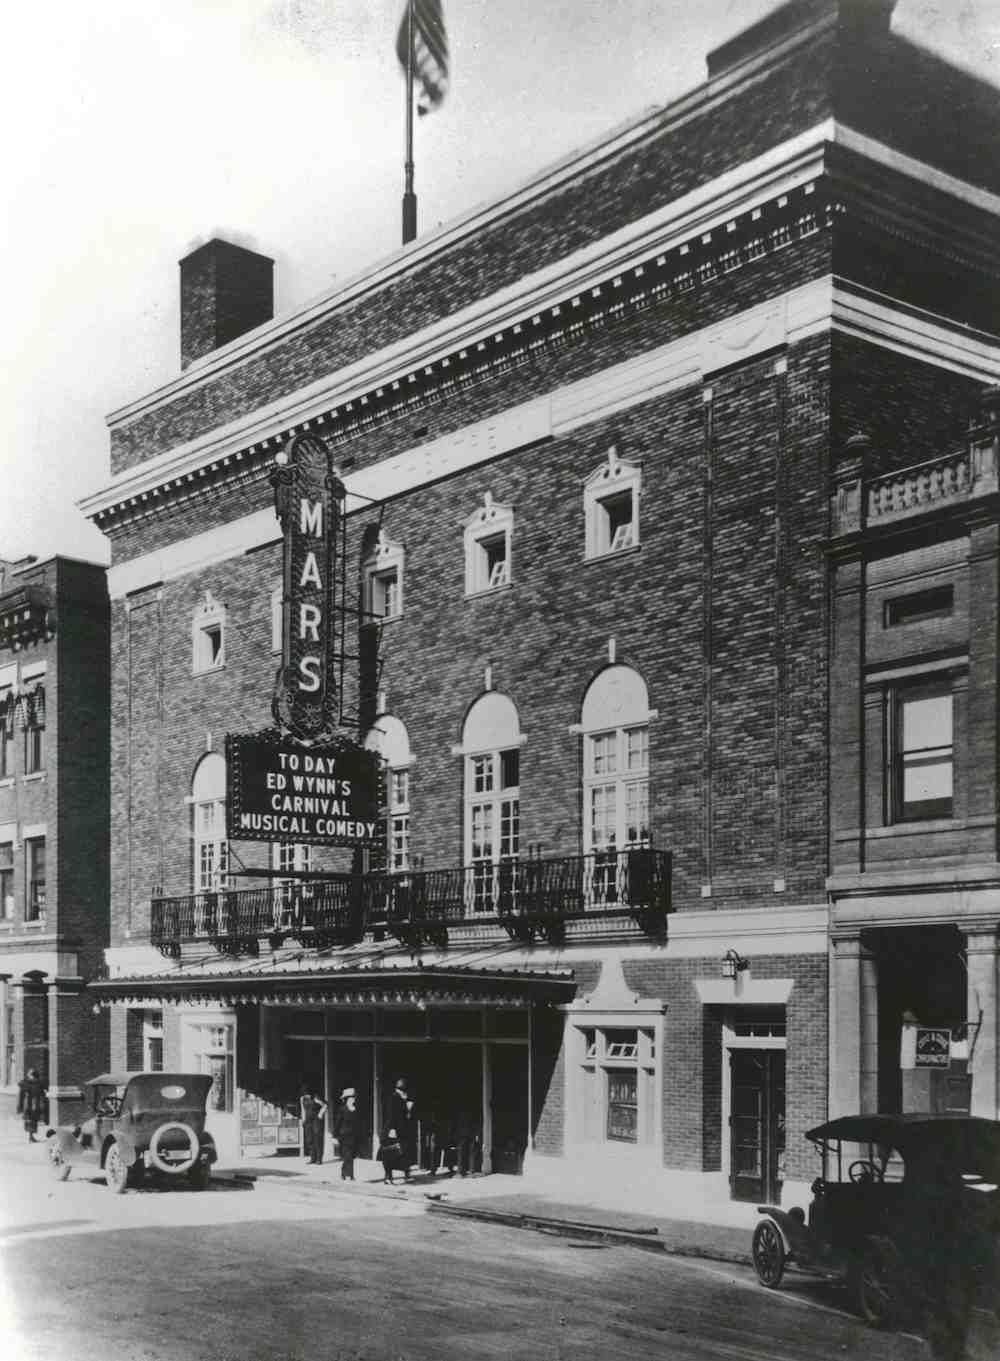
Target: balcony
pixel 530 899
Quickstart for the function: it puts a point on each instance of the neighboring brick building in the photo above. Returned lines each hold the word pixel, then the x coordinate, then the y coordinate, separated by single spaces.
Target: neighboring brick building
pixel 589 437
pixel 54 799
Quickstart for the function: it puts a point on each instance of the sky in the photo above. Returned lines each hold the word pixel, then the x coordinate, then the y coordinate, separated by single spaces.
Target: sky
pixel 137 129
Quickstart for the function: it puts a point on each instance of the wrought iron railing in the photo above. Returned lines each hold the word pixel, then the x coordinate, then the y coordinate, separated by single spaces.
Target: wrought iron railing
pixel 529 898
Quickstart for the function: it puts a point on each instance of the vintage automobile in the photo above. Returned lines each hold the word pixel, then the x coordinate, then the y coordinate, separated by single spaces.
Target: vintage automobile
pixel 902 1203
pixel 142 1124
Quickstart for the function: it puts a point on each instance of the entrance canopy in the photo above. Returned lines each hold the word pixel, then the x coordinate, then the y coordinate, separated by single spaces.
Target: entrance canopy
pixel 365 987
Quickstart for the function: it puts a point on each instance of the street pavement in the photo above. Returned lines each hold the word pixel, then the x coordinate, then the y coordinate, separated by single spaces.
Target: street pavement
pixel 293 1266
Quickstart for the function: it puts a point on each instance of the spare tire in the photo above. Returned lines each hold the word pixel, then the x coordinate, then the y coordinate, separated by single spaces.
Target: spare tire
pixel 174 1168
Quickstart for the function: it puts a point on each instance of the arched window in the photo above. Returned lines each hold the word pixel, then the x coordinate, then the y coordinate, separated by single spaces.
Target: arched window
pixel 491 747
pixel 614 721
pixel 392 742
pixel 208 800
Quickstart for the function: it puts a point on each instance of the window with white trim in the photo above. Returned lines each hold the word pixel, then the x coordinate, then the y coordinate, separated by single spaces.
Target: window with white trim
pixel 392 742
pixel 208 636
pixel 923 748
pixel 488 539
pixel 492 751
pixel 6 881
pixel 34 875
pixel 383 579
pixel 211 846
pixel 33 708
pixel 615 727
pixel 290 859
pixel 7 710
pixel 617 1084
pixel 611 507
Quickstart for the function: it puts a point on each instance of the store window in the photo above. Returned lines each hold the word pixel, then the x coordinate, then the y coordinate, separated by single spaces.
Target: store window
pixel 34 856
pixel 211 1048
pixel 615 729
pixel 208 636
pixel 383 579
pixel 923 750
pixel 491 747
pixel 392 742
pixel 488 542
pixel 618 1083
pixel 211 848
pixel 6 881
pixel 611 507
pixel 144 1040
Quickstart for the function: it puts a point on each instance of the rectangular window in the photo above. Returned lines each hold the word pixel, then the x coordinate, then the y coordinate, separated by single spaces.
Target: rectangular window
pixel 399 850
pixel 935 603
pixel 385 596
pixel 6 734
pixel 400 788
pixel 34 749
pixel 616 529
pixel 34 852
pixel 636 748
pixel 6 881
pixel 924 755
pixel 604 754
pixel 482 774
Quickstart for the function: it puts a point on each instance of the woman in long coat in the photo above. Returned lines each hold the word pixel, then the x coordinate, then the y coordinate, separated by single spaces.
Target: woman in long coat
pixel 31 1102
pixel 347 1132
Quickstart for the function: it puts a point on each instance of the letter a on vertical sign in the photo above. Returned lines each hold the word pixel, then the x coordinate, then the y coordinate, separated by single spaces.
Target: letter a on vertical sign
pixel 309 503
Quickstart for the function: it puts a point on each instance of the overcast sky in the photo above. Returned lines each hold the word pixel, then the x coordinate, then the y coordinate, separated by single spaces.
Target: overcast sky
pixel 135 129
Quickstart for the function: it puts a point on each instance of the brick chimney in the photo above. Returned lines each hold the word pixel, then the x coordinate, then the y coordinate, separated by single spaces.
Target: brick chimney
pixel 858 20
pixel 226 290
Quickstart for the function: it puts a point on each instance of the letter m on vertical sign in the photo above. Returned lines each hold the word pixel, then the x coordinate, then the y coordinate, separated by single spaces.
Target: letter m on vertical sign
pixel 309 504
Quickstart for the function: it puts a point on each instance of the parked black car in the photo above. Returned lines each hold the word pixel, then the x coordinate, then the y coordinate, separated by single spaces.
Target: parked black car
pixel 906 1211
pixel 142 1123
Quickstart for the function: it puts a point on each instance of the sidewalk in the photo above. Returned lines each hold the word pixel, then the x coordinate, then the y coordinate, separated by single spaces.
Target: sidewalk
pixel 546 1199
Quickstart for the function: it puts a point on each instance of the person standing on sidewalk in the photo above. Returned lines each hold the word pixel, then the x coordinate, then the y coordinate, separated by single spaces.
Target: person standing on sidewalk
pixel 32 1100
pixel 404 1120
pixel 347 1132
pixel 312 1108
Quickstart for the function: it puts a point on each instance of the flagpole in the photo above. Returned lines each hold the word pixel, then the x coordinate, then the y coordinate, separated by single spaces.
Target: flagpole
pixel 409 197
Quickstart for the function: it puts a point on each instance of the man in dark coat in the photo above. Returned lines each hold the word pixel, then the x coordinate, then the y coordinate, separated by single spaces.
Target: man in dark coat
pixel 311 1111
pixel 404 1121
pixel 347 1132
pixel 31 1102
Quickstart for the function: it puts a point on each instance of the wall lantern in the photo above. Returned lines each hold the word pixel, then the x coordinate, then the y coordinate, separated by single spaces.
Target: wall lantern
pixel 733 964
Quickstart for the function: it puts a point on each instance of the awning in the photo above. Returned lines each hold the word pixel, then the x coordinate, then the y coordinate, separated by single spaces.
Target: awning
pixel 439 986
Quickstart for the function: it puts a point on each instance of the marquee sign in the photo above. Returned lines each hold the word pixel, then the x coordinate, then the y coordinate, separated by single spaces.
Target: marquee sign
pixel 308 497
pixel 278 790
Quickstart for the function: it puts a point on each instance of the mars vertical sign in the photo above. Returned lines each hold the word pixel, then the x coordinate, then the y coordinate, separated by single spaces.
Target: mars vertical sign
pixel 307 780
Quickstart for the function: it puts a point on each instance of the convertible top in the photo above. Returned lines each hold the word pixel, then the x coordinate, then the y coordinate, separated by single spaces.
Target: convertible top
pixel 111 1079
pixel 966 1139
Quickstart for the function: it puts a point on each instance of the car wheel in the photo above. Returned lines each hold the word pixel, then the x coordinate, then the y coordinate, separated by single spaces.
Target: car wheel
pixel 877 1283
pixel 199 1176
pixel 768 1254
pixel 116 1170
pixel 60 1167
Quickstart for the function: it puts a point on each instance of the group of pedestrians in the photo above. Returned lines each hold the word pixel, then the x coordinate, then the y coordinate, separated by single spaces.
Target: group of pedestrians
pixel 346 1128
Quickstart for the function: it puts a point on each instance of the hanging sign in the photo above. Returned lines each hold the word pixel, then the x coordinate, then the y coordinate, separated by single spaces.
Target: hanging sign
pixel 278 790
pixel 308 497
pixel 933 1048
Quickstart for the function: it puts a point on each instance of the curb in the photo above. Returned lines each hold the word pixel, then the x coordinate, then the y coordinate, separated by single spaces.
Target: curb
pixel 647 1239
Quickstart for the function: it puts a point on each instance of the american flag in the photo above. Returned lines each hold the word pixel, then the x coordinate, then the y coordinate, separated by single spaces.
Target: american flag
pixel 430 51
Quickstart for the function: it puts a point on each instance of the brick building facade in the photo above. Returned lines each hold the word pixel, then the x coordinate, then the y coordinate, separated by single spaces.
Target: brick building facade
pixel 593 439
pixel 54 709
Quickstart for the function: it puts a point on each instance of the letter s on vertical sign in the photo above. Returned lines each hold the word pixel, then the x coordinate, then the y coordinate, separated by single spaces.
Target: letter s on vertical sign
pixel 309 674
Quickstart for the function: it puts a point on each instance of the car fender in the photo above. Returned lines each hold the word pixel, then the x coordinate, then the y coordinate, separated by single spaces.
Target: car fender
pixel 125 1145
pixel 794 1234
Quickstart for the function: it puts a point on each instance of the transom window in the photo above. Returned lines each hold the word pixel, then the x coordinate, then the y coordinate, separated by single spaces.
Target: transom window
pixel 611 507
pixel 488 536
pixel 923 772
